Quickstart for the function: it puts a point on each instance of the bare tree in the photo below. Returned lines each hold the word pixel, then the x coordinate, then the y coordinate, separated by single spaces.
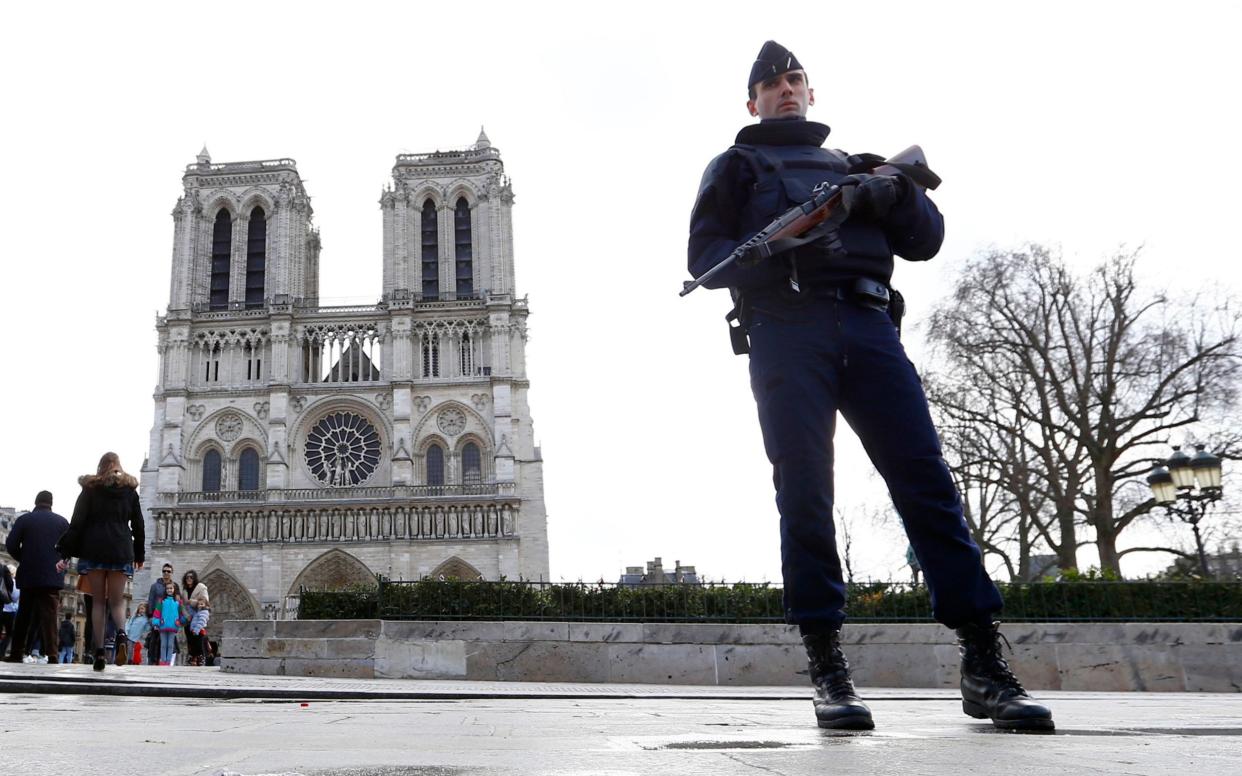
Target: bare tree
pixel 1056 389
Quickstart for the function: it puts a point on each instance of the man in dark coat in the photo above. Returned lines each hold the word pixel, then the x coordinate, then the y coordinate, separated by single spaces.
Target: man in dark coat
pixel 32 543
pixel 68 636
pixel 820 321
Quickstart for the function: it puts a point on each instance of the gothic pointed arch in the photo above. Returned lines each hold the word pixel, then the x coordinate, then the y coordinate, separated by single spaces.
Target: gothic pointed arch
pixel 334 570
pixel 463 248
pixel 437 420
pixel 427 191
pixel 228 426
pixel 256 257
pixel 433 464
pixel 222 200
pixel 248 467
pixel 213 471
pixel 221 258
pixel 429 239
pixel 257 198
pixel 455 568
pixel 471 463
pixel 230 600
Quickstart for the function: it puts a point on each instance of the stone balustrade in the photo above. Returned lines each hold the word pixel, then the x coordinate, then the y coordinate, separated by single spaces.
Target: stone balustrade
pixel 338 495
pixel 242 524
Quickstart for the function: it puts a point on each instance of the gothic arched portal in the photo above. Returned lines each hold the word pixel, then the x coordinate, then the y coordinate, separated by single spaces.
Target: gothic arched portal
pixel 229 601
pixel 334 570
pixel 455 568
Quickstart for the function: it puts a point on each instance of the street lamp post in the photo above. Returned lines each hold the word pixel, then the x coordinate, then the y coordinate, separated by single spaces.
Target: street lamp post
pixel 1187 487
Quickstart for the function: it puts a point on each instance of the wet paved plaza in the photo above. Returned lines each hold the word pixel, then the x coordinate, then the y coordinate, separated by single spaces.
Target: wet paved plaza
pixel 157 721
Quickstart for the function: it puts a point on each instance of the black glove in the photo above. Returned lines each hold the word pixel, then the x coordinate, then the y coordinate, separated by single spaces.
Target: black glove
pixel 871 197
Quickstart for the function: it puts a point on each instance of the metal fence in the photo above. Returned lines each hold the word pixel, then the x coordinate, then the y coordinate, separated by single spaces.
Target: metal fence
pixel 874 602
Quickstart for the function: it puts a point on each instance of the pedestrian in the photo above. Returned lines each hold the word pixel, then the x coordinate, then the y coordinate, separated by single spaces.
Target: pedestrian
pixel 10 596
pixel 168 619
pixel 154 595
pixel 156 591
pixel 199 604
pixel 818 316
pixel 68 637
pixel 106 536
pixel 136 630
pixel 32 543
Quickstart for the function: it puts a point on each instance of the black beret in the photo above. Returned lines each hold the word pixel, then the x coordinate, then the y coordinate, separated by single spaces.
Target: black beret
pixel 773 60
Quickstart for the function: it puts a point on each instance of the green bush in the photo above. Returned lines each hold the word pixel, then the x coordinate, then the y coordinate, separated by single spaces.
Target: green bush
pixel 434 599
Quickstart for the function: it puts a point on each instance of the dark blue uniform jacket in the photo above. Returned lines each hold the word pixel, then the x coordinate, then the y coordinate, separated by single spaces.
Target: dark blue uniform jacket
pixel 737 198
pixel 32 543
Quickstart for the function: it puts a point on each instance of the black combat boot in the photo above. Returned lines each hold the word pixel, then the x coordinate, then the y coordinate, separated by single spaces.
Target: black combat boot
pixel 989 688
pixel 837 705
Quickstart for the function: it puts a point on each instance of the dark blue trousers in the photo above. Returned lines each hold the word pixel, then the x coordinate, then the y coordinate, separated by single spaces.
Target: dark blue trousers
pixel 809 361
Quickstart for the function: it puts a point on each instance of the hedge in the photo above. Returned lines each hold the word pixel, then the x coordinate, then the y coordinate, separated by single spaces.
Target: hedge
pixel 451 599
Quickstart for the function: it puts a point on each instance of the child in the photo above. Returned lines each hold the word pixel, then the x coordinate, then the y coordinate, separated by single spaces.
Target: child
pixel 137 629
pixel 198 626
pixel 168 621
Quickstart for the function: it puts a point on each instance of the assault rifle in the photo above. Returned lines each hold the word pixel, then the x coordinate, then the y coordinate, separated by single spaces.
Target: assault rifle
pixel 828 204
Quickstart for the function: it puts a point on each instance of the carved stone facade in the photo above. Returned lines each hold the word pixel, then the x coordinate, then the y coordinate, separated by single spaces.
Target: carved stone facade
pixel 297 445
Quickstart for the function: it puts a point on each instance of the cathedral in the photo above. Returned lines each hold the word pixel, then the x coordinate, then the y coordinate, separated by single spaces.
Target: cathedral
pixel 297 445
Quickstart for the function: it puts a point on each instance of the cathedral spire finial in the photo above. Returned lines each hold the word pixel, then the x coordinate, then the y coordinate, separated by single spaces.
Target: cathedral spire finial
pixel 482 142
pixel 204 156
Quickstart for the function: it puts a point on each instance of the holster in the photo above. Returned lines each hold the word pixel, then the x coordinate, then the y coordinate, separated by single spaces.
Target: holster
pixel 897 309
pixel 738 320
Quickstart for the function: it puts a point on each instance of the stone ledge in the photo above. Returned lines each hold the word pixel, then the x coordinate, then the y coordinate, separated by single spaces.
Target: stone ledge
pixel 1195 657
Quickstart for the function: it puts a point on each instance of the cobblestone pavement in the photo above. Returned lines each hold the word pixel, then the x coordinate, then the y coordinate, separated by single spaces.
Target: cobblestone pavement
pixel 461 728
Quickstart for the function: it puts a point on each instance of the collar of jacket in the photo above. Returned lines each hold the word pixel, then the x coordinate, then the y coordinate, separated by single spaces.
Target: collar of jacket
pixel 796 131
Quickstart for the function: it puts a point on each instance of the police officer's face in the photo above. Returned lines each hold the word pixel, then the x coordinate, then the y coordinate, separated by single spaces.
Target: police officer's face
pixel 782 96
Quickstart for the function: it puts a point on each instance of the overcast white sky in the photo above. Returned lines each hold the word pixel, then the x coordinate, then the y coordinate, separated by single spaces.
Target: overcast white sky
pixel 1083 124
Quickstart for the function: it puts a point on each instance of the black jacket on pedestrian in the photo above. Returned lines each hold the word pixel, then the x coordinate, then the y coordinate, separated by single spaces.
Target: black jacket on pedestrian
pixel 107 521
pixel 32 543
pixel 67 635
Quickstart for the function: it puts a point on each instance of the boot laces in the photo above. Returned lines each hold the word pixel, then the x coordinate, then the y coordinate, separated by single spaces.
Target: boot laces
pixel 829 667
pixel 990 659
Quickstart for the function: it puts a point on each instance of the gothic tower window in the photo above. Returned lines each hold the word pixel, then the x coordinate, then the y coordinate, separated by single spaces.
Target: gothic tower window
pixel 431 252
pixel 467 356
pixel 221 252
pixel 254 361
pixel 435 465
pixel 248 470
pixel 212 372
pixel 431 356
pixel 471 464
pixel 211 472
pixel 256 258
pixel 465 268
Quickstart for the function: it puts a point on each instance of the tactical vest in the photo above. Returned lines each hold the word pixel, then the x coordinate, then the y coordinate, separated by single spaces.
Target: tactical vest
pixel 785 176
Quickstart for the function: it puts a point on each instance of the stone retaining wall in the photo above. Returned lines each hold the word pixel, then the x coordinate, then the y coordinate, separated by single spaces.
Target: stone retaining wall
pixel 1195 657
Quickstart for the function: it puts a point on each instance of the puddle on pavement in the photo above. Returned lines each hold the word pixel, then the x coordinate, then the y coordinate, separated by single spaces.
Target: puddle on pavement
pixel 728 745
pixel 1122 732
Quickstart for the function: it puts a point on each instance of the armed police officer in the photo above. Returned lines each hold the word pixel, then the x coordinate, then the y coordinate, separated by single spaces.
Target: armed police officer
pixel 818 319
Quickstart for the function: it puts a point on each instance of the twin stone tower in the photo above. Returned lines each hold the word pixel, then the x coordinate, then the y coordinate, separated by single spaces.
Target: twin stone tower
pixel 297 445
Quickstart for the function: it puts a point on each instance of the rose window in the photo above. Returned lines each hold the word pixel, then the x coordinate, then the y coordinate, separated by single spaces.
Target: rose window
pixel 343 449
pixel 452 421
